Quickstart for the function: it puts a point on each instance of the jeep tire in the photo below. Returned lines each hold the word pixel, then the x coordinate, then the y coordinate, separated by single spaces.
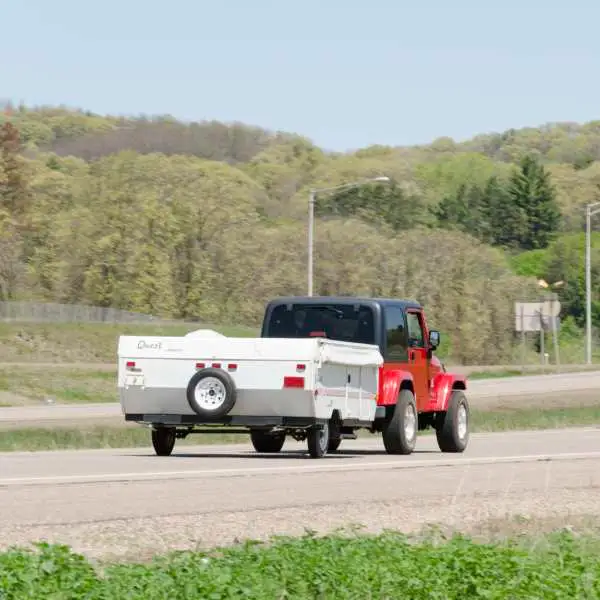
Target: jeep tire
pixel 400 432
pixel 452 426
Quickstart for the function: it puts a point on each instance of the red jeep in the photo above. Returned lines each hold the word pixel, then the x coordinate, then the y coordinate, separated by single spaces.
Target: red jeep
pixel 415 390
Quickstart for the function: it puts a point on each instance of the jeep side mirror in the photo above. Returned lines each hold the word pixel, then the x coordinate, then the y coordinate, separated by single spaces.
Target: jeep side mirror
pixel 434 338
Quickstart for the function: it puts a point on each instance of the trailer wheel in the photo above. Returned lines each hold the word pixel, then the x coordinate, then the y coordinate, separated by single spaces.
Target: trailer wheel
pixel 163 440
pixel 318 440
pixel 211 393
pixel 400 432
pixel 264 441
pixel 452 428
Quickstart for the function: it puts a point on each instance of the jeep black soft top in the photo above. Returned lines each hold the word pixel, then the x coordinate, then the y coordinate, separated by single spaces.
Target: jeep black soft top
pixel 344 318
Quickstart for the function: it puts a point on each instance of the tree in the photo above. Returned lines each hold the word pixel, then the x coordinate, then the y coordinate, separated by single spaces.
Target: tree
pixel 383 203
pixel 13 187
pixel 532 193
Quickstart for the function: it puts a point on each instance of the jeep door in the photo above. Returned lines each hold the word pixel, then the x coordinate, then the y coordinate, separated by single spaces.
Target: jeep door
pixel 418 363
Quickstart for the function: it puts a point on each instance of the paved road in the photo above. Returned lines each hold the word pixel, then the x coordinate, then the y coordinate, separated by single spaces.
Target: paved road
pixel 132 503
pixel 490 392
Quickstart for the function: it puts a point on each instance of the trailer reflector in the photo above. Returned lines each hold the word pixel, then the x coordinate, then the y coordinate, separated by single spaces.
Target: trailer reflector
pixel 293 382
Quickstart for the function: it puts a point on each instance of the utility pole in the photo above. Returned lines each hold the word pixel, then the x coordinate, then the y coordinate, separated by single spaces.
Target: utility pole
pixel 590 210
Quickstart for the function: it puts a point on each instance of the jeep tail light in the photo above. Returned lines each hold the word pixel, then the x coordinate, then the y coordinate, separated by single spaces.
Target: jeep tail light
pixel 293 382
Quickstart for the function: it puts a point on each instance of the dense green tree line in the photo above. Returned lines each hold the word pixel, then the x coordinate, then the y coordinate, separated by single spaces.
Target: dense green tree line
pixel 208 220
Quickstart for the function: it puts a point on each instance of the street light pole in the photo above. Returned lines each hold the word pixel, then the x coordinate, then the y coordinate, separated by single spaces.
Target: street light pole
pixel 311 227
pixel 590 210
pixel 311 218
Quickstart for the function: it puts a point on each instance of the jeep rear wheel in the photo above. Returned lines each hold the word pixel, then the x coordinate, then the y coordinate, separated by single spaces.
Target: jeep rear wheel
pixel 265 441
pixel 163 440
pixel 400 432
pixel 452 428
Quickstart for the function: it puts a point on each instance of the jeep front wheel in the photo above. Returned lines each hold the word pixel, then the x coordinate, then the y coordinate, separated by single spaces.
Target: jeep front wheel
pixel 400 432
pixel 452 428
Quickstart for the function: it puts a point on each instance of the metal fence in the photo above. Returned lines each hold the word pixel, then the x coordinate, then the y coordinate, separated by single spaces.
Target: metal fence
pixel 49 312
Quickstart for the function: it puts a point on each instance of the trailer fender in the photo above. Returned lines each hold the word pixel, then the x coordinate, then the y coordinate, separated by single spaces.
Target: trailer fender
pixel 391 381
pixel 443 385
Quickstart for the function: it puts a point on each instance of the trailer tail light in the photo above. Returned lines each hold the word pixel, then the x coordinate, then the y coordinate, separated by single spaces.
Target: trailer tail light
pixel 300 368
pixel 293 382
pixel 130 364
pixel 217 365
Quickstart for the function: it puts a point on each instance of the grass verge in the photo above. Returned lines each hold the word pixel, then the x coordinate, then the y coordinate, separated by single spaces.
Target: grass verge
pixel 85 342
pixel 133 436
pixel 96 437
pixel 66 386
pixel 340 566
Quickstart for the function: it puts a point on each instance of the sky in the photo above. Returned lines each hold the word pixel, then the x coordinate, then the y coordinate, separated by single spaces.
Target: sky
pixel 344 73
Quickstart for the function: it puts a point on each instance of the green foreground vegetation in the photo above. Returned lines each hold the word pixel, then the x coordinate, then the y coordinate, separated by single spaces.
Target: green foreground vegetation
pixel 353 567
pixel 132 436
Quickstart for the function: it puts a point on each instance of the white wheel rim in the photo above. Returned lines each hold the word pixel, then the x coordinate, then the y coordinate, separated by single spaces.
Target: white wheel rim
pixel 324 437
pixel 410 421
pixel 461 421
pixel 210 393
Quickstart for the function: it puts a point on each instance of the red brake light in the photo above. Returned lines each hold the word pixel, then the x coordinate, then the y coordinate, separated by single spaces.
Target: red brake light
pixel 293 382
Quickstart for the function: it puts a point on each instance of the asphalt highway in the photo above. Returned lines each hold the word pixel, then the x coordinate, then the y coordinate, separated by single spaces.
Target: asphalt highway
pixel 131 503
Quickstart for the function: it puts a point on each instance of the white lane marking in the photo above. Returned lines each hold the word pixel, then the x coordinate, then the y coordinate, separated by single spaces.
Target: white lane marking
pixel 151 475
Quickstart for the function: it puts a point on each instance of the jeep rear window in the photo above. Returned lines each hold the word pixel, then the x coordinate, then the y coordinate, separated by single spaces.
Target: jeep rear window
pixel 343 322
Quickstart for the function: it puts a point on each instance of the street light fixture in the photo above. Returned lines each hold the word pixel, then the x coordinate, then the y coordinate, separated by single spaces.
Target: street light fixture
pixel 590 210
pixel 311 217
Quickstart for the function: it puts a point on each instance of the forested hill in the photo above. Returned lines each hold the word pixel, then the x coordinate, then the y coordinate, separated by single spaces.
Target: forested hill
pixel 208 220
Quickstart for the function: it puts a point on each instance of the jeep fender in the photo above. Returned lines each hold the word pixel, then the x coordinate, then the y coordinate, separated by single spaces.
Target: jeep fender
pixel 443 385
pixel 391 381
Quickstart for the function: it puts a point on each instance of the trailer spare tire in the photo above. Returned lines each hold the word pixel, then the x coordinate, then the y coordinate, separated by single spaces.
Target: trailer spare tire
pixel 211 393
